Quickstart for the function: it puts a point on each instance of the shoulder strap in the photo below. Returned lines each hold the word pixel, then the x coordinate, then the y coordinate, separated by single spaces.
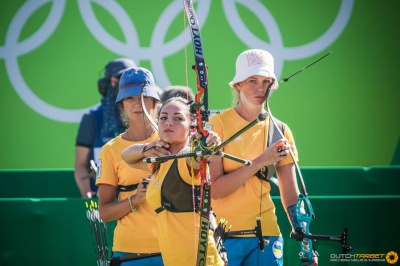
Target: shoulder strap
pixel 266 173
pixel 273 134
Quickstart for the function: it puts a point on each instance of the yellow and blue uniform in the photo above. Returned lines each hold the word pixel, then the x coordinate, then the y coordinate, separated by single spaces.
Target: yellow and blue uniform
pixel 177 220
pixel 135 232
pixel 252 199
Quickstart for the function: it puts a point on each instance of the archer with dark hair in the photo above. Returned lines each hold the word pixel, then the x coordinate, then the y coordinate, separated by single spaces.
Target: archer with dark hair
pixel 174 187
pixel 175 91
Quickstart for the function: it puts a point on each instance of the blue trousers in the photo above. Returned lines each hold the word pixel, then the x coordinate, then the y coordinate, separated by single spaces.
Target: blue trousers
pixel 245 251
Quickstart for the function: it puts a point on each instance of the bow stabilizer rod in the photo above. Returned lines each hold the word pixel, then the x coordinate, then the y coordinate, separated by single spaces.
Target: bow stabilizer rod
pixel 287 79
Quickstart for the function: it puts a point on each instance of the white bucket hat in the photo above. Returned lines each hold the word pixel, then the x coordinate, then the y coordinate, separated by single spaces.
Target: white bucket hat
pixel 254 62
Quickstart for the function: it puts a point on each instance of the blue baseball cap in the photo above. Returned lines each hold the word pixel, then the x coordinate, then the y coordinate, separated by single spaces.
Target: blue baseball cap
pixel 132 81
pixel 116 67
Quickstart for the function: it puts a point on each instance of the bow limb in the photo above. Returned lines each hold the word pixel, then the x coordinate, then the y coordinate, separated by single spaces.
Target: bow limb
pixel 148 116
pixel 200 68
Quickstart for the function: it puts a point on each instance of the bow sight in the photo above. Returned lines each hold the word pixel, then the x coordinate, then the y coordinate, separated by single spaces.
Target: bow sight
pixel 342 238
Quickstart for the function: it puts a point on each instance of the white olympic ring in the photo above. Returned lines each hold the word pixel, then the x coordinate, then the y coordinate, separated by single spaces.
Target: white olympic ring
pixel 158 49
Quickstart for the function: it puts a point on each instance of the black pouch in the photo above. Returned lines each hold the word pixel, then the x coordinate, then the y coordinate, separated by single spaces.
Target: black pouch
pixel 263 173
pixel 114 262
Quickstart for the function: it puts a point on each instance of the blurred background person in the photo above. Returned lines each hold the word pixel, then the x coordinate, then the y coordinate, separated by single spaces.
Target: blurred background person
pixel 177 90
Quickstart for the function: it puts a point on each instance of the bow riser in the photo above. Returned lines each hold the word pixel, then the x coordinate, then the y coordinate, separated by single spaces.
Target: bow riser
pixel 305 213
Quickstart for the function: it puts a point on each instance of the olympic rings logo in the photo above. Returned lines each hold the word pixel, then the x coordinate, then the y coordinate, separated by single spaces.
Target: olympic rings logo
pixel 158 49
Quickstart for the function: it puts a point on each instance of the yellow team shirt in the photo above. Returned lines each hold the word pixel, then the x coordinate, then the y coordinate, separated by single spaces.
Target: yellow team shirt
pixel 241 207
pixel 178 232
pixel 135 232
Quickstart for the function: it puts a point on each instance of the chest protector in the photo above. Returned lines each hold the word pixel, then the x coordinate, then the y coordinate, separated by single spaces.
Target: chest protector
pixel 265 173
pixel 176 194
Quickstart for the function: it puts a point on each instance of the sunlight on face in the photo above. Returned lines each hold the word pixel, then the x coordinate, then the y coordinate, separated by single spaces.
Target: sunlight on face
pixel 253 90
pixel 257 82
pixel 174 122
pixel 133 104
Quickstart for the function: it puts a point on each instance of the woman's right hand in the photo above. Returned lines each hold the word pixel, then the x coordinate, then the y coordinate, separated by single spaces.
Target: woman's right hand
pixel 156 148
pixel 141 190
pixel 276 152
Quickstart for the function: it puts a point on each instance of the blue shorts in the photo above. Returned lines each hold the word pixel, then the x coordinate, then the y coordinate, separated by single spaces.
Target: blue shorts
pixel 245 251
pixel 150 261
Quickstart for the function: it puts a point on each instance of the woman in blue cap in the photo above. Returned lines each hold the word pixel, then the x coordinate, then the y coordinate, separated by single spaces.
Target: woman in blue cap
pixel 135 241
pixel 98 126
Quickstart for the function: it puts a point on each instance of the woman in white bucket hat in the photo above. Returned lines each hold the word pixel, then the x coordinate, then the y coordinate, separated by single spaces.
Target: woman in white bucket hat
pixel 241 193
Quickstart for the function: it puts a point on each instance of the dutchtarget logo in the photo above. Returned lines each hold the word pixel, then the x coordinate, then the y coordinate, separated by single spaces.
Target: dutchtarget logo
pixel 391 257
pixel 158 49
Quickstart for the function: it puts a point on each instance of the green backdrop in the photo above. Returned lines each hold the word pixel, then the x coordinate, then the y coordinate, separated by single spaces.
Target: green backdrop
pixel 343 111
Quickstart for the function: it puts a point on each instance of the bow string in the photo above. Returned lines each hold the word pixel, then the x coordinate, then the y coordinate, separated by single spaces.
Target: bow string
pixel 148 116
pixel 302 214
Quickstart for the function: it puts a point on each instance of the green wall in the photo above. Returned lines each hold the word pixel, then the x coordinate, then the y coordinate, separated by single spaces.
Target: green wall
pixel 56 231
pixel 41 228
pixel 320 181
pixel 343 111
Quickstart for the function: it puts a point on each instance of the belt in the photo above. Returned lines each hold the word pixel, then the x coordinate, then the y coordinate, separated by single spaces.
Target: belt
pixel 241 232
pixel 127 188
pixel 134 256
